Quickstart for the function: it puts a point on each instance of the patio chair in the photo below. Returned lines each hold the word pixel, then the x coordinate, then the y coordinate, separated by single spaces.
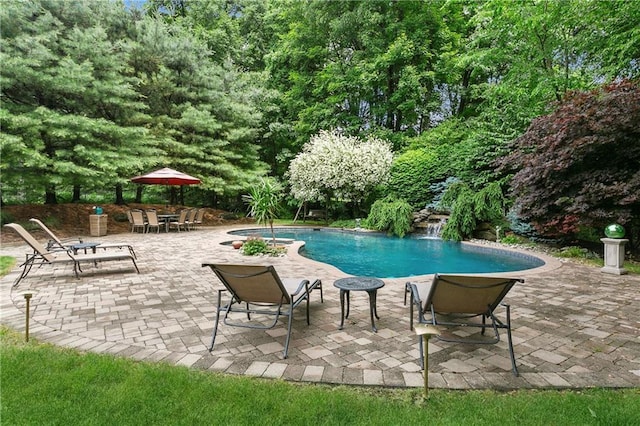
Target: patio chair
pixel 139 221
pixel 255 289
pixel 191 219
pixel 152 220
pixel 41 256
pixel 55 243
pixel 180 222
pixel 130 218
pixel 198 219
pixel 455 300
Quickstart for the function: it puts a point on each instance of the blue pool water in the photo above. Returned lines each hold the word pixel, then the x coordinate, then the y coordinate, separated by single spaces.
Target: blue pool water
pixel 377 255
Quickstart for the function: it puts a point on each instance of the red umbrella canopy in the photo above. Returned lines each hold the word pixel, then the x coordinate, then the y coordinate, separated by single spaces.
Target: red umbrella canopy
pixel 166 176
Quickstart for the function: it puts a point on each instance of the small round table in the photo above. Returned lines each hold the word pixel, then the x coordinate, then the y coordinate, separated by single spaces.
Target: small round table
pixel 84 246
pixel 368 284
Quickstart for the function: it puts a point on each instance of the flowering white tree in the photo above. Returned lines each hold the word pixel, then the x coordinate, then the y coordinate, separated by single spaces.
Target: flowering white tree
pixel 335 166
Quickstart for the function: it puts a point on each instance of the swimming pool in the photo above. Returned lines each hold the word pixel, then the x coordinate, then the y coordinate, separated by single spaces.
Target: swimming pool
pixel 377 255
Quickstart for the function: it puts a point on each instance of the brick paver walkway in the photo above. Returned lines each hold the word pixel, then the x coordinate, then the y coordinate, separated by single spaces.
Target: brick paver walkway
pixel 573 326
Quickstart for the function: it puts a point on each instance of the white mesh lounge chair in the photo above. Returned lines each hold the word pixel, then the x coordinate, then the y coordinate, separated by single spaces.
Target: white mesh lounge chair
pixel 55 243
pixel 456 300
pixel 259 290
pixel 41 256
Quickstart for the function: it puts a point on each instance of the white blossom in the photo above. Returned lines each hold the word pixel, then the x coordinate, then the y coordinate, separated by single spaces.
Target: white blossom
pixel 344 167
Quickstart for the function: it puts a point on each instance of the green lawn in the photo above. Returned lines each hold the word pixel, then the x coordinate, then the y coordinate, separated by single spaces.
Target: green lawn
pixel 43 384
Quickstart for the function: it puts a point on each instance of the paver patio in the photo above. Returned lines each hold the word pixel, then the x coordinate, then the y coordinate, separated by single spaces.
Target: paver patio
pixel 573 326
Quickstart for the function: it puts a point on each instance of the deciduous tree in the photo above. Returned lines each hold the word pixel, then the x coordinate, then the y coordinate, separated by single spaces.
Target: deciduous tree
pixel 334 166
pixel 580 165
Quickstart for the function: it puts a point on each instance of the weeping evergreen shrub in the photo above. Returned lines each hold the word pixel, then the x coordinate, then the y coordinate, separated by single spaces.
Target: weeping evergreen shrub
pixel 390 215
pixel 468 208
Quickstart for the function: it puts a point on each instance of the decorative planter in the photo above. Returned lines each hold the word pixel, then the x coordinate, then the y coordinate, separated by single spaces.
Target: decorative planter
pixel 237 244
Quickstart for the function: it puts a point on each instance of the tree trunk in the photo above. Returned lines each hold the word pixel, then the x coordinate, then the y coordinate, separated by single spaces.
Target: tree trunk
pixel 326 209
pixel 76 194
pixel 464 92
pixel 119 197
pixel 173 196
pixel 50 195
pixel 139 194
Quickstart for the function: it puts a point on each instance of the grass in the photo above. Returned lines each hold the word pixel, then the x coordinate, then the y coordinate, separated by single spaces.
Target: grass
pixel 44 384
pixel 6 264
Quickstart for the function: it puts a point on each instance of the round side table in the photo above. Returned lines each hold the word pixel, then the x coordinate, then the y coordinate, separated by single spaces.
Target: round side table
pixel 368 284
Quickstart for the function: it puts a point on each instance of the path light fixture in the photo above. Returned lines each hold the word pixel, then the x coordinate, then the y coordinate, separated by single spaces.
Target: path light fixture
pixel 426 331
pixel 27 297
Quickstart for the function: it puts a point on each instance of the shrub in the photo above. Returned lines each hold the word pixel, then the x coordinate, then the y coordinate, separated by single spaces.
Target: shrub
pixel 390 215
pixel 120 217
pixel 6 217
pixel 469 207
pixel 411 174
pixel 575 252
pixel 512 239
pixel 254 246
pixel 344 223
pixel 438 190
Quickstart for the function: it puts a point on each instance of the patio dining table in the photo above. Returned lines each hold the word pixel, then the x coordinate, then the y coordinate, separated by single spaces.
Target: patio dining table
pixel 167 218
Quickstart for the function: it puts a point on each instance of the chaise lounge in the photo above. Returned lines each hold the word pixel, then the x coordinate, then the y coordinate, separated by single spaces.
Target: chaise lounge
pixel 41 256
pixel 56 243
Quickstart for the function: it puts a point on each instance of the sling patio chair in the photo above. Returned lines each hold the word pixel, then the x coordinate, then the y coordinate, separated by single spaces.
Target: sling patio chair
pixel 255 289
pixel 41 256
pixel 55 243
pixel 456 300
pixel 198 219
pixel 181 221
pixel 190 220
pixel 139 221
pixel 130 218
pixel 152 220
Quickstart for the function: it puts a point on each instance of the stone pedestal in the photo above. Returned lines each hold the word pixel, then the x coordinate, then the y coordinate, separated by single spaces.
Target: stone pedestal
pixel 614 255
pixel 98 225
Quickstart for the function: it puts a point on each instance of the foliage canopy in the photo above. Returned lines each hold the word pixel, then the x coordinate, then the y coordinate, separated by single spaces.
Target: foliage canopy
pixel 580 165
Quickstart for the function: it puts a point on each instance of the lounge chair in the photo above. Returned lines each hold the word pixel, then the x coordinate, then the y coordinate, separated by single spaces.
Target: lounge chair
pixel 454 300
pixel 259 290
pixel 42 256
pixel 56 243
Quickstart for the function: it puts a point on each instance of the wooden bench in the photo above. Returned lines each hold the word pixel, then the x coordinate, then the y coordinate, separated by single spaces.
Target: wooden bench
pixel 315 214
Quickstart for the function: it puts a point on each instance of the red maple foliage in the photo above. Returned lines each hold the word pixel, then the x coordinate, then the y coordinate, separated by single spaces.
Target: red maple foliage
pixel 580 165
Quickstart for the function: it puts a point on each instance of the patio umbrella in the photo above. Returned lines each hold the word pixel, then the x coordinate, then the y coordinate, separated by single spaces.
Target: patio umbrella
pixel 167 177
